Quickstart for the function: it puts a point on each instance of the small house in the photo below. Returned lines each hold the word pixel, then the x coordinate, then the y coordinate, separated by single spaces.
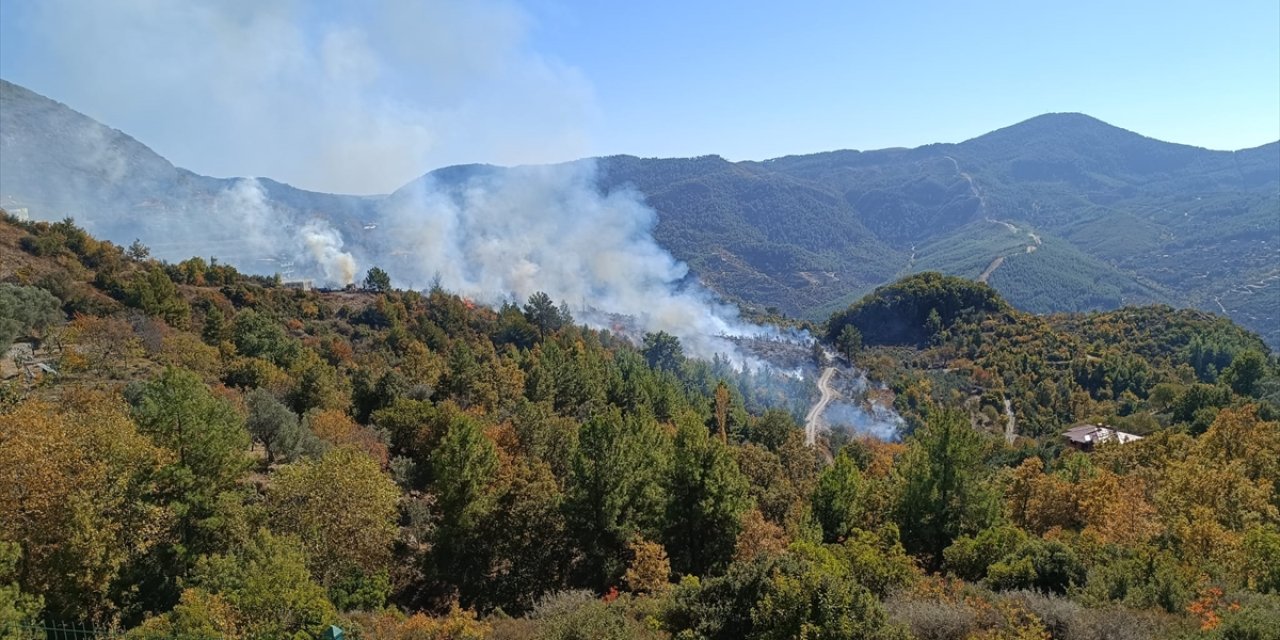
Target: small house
pixel 1087 436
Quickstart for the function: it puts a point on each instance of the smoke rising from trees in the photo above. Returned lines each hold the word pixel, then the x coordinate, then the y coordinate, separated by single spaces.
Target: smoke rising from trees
pixel 363 105
pixel 509 233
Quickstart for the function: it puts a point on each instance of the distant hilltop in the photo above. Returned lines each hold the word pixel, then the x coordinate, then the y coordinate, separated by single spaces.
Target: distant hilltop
pixel 1061 212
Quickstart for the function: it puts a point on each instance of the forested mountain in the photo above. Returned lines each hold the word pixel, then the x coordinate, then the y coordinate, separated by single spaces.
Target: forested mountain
pixel 190 452
pixel 1081 215
pixel 1059 213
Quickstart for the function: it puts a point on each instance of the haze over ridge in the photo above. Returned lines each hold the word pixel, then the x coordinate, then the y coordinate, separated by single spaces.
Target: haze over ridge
pixel 1060 212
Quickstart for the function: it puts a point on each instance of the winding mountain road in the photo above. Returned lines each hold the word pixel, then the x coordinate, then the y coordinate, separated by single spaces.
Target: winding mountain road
pixel 982 208
pixel 815 413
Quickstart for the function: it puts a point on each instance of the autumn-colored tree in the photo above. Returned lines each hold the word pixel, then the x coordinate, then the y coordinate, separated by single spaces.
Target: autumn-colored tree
pixel 722 411
pixel 1039 502
pixel 1116 510
pixel 340 430
pixel 759 537
pixel 457 624
pixel 342 507
pixel 102 346
pixel 1240 435
pixel 80 483
pixel 649 570
pixel 185 350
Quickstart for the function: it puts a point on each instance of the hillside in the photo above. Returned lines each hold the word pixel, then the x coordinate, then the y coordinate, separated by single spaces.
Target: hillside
pixel 56 162
pixel 1143 368
pixel 206 454
pixel 1061 212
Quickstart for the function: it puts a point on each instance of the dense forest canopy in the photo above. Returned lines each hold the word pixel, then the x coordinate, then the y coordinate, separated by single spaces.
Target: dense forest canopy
pixel 190 452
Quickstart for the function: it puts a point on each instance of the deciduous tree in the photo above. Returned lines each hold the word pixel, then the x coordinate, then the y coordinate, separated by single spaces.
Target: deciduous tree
pixel 342 507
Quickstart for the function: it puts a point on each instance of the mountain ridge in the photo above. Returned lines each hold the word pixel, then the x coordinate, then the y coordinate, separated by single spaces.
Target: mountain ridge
pixel 1060 202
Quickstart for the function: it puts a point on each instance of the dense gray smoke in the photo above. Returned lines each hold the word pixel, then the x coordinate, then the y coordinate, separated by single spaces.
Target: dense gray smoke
pixel 499 234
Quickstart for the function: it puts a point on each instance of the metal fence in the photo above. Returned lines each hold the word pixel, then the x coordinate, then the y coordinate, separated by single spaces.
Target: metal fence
pixel 57 632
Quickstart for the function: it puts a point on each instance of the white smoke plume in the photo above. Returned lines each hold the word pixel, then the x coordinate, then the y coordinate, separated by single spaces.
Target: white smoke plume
pixel 872 418
pixel 862 406
pixel 324 244
pixel 504 233
pixel 362 101
pixel 305 247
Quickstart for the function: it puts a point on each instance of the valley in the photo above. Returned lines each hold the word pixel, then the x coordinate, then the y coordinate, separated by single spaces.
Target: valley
pixel 568 320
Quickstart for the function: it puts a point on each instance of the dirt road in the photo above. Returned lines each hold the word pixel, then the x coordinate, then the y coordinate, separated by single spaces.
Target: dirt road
pixel 1011 424
pixel 815 413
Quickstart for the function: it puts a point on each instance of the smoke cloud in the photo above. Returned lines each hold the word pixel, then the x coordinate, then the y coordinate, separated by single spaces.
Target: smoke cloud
pixel 296 247
pixel 336 97
pixel 860 406
pixel 503 233
pixel 871 419
pixel 362 99
pixel 324 244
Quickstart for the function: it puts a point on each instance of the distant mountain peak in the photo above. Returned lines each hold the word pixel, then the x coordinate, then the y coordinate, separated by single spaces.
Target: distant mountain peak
pixel 1069 118
pixel 1074 213
pixel 1079 127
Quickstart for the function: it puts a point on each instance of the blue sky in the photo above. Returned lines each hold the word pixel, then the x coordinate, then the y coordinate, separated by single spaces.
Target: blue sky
pixel 361 97
pixel 755 82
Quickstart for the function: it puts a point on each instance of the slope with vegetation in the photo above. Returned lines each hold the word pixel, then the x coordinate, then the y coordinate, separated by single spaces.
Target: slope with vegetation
pixel 218 456
pixel 1066 212
pixel 941 339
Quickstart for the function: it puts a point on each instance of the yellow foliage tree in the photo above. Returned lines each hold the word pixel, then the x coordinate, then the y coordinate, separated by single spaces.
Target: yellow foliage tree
pixel 343 509
pixel 649 570
pixel 77 479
